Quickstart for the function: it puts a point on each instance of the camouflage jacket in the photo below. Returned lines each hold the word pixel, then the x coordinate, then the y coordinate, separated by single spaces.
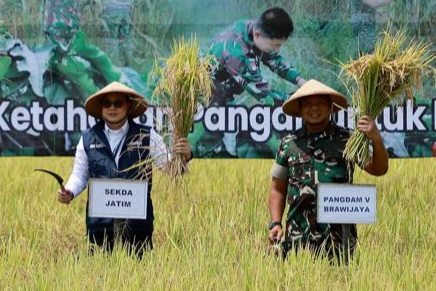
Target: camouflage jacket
pixel 61 20
pixel 239 61
pixel 310 158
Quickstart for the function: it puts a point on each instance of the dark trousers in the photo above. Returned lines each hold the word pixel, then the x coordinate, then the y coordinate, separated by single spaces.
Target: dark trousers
pixel 135 240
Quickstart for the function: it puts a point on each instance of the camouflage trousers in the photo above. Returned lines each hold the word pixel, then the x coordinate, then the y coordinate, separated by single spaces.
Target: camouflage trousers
pixel 340 245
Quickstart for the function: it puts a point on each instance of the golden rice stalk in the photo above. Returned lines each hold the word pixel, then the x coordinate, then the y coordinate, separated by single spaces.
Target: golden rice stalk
pixel 183 82
pixel 379 79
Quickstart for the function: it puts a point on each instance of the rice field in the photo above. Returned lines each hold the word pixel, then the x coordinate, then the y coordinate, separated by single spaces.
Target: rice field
pixel 211 234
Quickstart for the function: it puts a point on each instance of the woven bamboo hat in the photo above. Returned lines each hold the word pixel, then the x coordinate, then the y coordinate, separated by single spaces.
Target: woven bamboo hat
pixel 93 103
pixel 310 88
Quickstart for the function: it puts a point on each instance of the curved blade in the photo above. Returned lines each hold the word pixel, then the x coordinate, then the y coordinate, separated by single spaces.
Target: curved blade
pixel 53 174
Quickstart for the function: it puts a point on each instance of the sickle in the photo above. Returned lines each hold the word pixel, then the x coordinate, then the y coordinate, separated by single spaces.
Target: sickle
pixel 56 176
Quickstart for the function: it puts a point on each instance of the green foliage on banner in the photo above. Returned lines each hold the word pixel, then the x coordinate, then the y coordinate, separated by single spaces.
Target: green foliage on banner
pixel 322 28
pixel 5 62
pixel 326 33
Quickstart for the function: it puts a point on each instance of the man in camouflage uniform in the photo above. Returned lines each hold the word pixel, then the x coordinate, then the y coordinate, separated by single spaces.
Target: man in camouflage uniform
pixel 310 155
pixel 117 31
pixel 240 52
pixel 62 27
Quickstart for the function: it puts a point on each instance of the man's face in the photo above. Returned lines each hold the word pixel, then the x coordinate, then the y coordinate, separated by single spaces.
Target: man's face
pixel 315 111
pixel 267 45
pixel 115 108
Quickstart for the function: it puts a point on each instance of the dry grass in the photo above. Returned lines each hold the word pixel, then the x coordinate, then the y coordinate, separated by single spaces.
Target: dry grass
pixel 211 234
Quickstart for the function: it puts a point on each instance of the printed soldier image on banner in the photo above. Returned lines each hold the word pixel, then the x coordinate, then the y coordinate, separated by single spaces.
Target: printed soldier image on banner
pixel 56 53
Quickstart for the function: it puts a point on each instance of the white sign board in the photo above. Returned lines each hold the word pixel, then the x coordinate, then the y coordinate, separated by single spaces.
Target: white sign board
pixel 346 203
pixel 118 198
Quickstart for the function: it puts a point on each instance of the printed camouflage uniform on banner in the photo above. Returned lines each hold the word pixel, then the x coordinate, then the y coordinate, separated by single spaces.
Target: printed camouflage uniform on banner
pixel 313 158
pixel 117 31
pixel 61 20
pixel 62 27
pixel 242 62
pixel 239 70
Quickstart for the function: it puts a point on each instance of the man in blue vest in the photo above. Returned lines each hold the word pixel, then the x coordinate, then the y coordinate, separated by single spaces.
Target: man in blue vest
pixel 117 147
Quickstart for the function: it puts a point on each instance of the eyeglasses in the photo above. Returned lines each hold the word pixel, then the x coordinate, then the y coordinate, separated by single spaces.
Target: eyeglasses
pixel 116 103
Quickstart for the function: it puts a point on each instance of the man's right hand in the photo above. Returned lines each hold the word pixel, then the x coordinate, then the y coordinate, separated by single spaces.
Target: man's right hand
pixel 65 196
pixel 275 235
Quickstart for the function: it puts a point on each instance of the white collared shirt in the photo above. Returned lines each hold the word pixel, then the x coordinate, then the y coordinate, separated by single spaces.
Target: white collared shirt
pixel 116 139
pixel 78 179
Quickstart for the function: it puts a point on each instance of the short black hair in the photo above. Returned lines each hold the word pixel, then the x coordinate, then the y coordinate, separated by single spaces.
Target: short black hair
pixel 275 23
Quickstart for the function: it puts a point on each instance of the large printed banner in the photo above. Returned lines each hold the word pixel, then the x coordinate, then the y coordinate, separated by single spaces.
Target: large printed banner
pixel 52 59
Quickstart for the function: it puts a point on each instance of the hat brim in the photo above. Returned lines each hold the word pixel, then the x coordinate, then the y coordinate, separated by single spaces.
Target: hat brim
pixel 310 88
pixel 93 103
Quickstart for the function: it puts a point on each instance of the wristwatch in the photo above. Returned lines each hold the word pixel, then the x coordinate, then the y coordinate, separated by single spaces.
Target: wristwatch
pixel 274 223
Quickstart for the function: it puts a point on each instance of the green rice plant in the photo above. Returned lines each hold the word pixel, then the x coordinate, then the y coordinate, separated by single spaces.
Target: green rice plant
pixel 183 82
pixel 379 79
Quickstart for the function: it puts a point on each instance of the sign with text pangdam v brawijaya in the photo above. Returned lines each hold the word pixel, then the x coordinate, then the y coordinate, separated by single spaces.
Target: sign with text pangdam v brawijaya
pixel 52 60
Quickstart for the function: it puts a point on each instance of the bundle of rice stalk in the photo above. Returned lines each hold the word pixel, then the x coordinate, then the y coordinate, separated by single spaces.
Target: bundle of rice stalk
pixel 376 80
pixel 183 82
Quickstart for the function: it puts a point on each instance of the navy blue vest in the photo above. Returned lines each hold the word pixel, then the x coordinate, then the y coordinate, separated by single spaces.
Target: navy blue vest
pixel 101 164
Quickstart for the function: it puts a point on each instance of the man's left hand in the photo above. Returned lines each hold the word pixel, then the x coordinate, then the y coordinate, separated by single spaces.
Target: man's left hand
pixel 183 147
pixel 367 126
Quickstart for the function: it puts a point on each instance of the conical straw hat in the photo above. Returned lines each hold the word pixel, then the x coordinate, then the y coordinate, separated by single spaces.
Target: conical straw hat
pixel 93 103
pixel 310 88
